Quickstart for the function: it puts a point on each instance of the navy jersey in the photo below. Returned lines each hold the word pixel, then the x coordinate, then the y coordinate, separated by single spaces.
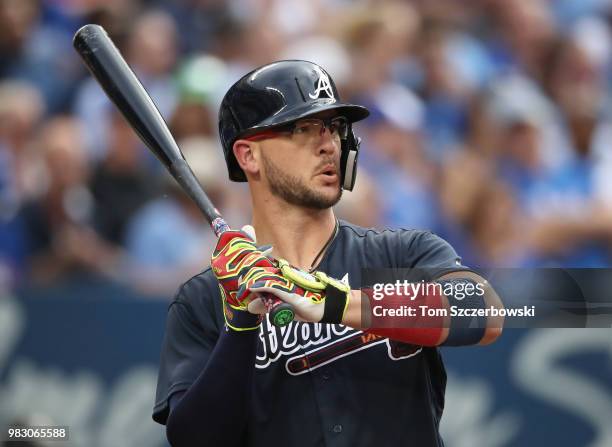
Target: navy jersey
pixel 319 384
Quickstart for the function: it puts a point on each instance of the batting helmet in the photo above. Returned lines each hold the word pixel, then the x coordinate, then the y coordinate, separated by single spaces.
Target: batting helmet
pixel 278 94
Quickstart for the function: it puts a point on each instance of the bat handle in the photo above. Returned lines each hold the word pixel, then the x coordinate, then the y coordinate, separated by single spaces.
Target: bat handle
pixel 281 313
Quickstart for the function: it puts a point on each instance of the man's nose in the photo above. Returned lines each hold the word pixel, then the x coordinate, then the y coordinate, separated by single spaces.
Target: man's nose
pixel 327 143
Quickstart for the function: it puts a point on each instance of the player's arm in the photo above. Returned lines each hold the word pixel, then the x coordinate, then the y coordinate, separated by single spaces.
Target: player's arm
pixel 435 322
pixel 445 296
pixel 319 298
pixel 214 409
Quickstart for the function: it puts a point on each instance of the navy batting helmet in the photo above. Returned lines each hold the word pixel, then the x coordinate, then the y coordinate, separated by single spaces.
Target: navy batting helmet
pixel 278 94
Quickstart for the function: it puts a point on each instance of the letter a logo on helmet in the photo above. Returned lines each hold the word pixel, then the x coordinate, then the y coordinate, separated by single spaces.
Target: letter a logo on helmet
pixel 323 85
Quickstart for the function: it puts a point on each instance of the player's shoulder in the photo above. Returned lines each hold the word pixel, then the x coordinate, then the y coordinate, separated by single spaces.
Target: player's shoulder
pixel 409 237
pixel 399 247
pixel 198 302
pixel 197 289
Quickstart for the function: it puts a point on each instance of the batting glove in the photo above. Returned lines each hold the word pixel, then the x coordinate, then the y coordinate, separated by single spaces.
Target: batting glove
pixel 315 297
pixel 235 254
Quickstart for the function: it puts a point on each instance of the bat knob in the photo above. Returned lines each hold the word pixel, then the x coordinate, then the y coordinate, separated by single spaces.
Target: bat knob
pixel 282 314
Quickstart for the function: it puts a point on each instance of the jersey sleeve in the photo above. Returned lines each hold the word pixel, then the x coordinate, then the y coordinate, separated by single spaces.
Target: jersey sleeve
pixel 192 330
pixel 428 251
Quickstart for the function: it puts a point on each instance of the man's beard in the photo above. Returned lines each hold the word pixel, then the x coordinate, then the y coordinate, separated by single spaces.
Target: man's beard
pixel 294 191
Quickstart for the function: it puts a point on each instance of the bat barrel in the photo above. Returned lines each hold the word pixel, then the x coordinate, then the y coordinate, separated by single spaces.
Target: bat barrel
pixel 125 90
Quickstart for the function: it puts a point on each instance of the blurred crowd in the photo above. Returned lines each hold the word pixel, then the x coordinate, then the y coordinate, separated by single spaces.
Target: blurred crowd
pixel 491 126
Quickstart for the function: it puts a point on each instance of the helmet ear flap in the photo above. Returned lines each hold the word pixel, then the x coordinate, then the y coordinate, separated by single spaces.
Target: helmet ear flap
pixel 348 159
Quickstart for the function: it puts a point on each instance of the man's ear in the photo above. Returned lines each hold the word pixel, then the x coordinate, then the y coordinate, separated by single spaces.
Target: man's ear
pixel 246 153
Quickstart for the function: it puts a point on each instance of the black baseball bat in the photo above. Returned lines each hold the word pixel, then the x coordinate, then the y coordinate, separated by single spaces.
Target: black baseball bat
pixel 125 90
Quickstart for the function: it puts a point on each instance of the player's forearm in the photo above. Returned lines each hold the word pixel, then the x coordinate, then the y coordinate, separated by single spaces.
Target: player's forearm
pixel 493 325
pixel 358 312
pixel 359 316
pixel 424 331
pixel 214 410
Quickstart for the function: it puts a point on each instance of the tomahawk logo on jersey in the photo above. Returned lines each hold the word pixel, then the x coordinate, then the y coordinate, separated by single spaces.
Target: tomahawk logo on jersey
pixel 324 343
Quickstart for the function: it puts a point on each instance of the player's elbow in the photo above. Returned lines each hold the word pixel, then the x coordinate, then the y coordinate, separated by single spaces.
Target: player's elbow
pixel 495 324
pixel 495 321
pixel 491 335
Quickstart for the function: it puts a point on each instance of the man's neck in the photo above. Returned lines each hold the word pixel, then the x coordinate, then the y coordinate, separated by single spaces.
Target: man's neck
pixel 297 234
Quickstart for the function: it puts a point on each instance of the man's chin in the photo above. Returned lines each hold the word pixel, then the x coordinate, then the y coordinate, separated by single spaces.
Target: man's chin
pixel 329 196
pixel 317 198
pixel 322 193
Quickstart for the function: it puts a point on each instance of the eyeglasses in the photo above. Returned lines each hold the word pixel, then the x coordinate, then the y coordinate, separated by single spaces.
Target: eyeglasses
pixel 307 131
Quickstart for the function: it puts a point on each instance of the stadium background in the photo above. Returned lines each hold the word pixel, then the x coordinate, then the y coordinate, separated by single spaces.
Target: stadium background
pixel 491 125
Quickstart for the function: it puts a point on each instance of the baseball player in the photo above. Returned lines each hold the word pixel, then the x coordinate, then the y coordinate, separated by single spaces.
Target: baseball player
pixel 228 377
